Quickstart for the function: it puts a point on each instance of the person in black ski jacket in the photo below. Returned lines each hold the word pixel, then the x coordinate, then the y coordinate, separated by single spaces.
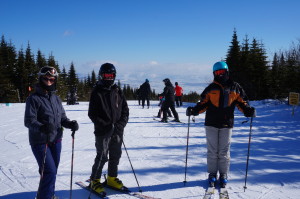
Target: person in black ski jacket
pixel 109 112
pixel 219 100
pixel 145 91
pixel 169 101
pixel 44 118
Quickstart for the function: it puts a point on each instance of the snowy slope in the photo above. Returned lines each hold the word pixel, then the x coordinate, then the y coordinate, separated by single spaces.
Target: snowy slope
pixel 157 152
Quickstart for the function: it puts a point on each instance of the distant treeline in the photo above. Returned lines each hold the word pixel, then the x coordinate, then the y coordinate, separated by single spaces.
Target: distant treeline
pixel 247 63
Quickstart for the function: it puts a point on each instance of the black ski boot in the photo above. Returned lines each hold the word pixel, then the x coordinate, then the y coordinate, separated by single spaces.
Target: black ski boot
pixel 223 180
pixel 212 178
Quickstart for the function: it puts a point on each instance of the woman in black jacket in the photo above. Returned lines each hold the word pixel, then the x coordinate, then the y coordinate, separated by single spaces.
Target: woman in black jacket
pixel 44 118
pixel 109 112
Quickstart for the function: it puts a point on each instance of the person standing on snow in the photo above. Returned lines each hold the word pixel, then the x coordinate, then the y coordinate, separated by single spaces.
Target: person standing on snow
pixel 109 112
pixel 169 101
pixel 178 94
pixel 145 91
pixel 45 117
pixel 219 100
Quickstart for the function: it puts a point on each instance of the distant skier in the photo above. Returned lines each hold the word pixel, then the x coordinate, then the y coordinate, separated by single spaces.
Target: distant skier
pixel 219 100
pixel 109 112
pixel 178 94
pixel 145 91
pixel 45 117
pixel 169 101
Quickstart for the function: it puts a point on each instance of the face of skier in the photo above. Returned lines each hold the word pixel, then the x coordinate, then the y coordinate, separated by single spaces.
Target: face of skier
pixel 221 76
pixel 48 80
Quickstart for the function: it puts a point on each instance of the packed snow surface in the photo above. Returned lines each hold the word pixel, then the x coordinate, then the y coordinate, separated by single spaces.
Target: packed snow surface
pixel 158 153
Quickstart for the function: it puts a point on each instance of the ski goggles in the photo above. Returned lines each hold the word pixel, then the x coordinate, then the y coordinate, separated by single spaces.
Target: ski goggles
pixel 220 72
pixel 47 70
pixel 108 76
pixel 46 79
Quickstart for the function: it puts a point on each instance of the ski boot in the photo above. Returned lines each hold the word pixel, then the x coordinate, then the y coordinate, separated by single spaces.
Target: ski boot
pixel 176 120
pixel 212 178
pixel 223 180
pixel 115 183
pixel 164 120
pixel 97 186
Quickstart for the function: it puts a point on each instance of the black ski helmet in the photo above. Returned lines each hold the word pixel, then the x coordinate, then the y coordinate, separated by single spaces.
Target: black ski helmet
pixel 107 74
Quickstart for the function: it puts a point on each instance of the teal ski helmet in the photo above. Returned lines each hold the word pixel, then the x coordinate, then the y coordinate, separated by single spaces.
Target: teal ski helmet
pixel 219 66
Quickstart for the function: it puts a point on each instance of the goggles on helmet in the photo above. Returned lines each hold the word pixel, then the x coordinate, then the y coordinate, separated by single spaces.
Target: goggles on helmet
pixel 47 70
pixel 220 72
pixel 108 76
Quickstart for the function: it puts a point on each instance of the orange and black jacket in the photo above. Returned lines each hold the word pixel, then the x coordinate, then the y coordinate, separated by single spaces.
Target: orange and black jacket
pixel 219 103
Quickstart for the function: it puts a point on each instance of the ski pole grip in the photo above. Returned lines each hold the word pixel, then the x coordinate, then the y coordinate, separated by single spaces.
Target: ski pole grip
pixel 73 133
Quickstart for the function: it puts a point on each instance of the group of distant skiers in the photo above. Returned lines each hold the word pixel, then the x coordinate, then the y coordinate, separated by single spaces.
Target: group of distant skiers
pixel 45 118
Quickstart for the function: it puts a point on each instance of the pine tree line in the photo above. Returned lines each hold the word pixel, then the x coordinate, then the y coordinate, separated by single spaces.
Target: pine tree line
pixel 248 65
pixel 19 74
pixel 262 79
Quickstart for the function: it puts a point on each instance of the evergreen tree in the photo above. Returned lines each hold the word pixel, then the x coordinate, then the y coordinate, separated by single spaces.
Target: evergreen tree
pixel 31 70
pixel 233 58
pixel 72 78
pixel 93 79
pixel 40 60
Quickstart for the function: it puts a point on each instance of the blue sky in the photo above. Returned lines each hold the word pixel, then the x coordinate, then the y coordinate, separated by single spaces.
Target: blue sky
pixel 154 39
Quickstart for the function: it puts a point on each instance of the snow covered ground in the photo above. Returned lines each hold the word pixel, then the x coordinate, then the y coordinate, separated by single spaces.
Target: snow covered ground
pixel 157 151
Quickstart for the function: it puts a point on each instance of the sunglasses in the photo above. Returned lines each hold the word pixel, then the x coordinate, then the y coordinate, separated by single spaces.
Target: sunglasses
pixel 46 79
pixel 220 72
pixel 108 76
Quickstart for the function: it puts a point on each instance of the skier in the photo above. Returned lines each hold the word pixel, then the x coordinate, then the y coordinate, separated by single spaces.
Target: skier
pixel 145 91
pixel 109 112
pixel 178 94
pixel 169 101
pixel 45 117
pixel 219 100
pixel 161 101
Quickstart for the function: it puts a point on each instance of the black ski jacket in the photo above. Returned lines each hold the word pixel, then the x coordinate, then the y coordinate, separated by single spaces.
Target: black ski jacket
pixel 108 110
pixel 169 93
pixel 145 89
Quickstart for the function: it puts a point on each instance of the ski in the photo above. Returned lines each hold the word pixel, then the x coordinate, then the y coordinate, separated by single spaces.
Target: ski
pixel 209 193
pixel 127 191
pixel 169 122
pixel 86 187
pixel 223 193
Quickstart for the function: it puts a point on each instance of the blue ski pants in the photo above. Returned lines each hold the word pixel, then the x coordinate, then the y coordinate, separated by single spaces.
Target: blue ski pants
pixel 47 184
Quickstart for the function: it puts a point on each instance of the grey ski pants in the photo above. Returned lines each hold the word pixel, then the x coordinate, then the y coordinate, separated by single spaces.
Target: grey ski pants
pixel 218 149
pixel 105 146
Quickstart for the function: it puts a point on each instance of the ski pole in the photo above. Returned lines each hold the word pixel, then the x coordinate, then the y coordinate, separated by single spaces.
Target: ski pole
pixel 187 149
pixel 247 164
pixel 132 167
pixel 43 167
pixel 72 160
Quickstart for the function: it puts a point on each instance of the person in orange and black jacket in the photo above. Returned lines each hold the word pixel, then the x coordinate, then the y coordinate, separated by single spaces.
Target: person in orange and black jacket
pixel 219 100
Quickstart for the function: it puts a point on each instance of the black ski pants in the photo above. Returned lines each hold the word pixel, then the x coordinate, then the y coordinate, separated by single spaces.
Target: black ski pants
pixel 107 146
pixel 165 107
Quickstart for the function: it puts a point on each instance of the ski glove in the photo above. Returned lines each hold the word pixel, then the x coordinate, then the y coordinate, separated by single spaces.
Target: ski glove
pixel 73 125
pixel 189 111
pixel 250 112
pixel 47 128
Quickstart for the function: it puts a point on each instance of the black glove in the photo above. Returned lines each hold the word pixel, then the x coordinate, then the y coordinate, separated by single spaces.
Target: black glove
pixel 250 112
pixel 189 111
pixel 73 125
pixel 47 128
